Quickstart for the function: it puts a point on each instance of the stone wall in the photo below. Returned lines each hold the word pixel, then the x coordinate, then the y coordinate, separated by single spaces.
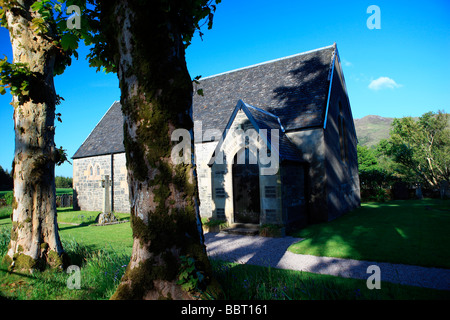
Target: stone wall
pixel 341 154
pixel 203 153
pixel 311 144
pixel 88 174
pixel 120 186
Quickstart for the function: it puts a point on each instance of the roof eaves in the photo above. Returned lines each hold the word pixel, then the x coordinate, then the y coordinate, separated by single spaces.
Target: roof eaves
pixel 98 154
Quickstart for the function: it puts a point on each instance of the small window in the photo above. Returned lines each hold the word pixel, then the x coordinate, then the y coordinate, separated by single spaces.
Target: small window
pixel 220 193
pixel 91 171
pixel 220 213
pixel 270 191
pixel 271 214
pixel 98 170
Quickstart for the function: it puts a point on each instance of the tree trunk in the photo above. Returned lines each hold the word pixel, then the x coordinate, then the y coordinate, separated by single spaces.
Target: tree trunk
pixel 35 240
pixel 156 98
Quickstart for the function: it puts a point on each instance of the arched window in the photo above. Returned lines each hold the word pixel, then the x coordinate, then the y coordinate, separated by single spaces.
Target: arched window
pixel 91 170
pixel 98 170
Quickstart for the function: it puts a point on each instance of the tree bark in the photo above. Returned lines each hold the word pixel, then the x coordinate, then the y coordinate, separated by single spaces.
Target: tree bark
pixel 35 241
pixel 156 98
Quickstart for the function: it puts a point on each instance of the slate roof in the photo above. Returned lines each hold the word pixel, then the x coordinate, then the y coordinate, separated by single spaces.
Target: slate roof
pixel 268 121
pixel 294 88
pixel 107 136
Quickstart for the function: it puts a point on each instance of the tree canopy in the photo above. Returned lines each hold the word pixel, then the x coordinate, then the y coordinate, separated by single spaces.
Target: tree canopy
pixel 421 147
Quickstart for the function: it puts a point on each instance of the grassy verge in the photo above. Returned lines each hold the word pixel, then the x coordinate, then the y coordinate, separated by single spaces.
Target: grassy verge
pixel 80 226
pixel 103 253
pixel 100 275
pixel 247 282
pixel 102 270
pixel 409 232
pixel 59 191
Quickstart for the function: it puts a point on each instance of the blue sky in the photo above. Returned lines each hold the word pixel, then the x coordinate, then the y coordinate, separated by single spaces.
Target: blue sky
pixel 402 69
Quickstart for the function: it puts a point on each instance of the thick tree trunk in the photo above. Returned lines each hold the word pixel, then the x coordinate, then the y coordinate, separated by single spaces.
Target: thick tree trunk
pixel 156 99
pixel 35 240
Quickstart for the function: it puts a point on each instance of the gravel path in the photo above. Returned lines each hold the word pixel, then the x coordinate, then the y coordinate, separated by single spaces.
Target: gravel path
pixel 273 252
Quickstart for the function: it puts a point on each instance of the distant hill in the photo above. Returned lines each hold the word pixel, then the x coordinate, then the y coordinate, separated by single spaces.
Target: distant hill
pixel 371 129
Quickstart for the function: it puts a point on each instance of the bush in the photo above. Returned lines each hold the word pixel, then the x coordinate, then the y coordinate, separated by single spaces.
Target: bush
pixel 63 182
pixel 9 198
pixel 213 225
pixel 272 230
pixel 5 236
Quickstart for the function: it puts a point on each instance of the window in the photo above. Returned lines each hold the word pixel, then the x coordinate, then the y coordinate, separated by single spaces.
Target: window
pixel 91 171
pixel 220 213
pixel 270 191
pixel 343 144
pixel 98 170
pixel 220 193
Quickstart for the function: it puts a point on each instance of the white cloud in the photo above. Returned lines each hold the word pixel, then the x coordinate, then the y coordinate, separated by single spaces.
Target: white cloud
pixel 347 63
pixel 383 83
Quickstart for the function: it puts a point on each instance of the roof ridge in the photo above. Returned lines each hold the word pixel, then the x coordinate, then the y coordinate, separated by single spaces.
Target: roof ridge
pixel 261 110
pixel 269 114
pixel 269 61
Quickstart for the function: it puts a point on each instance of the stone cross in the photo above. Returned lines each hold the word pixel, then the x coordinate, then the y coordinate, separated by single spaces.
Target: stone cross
pixel 106 183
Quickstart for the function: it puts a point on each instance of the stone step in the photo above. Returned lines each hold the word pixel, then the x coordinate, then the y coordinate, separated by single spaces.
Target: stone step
pixel 245 229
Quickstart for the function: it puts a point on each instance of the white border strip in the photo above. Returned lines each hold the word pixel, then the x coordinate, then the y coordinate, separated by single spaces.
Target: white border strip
pixel 329 91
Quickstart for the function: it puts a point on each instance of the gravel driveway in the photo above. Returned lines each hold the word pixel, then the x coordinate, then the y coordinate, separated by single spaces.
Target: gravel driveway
pixel 273 252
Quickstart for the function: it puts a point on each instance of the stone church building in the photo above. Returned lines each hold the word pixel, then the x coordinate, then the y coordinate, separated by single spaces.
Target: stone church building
pixel 275 143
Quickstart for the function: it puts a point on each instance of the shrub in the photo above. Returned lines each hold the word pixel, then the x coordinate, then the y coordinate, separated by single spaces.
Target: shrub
pixel 9 198
pixel 272 230
pixel 63 182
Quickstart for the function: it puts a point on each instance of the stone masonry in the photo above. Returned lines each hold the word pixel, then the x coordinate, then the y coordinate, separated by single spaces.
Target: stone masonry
pixel 88 174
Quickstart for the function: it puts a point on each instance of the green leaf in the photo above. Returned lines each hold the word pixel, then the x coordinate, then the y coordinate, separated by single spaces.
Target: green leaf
pixel 38 5
pixel 2 90
pixel 69 41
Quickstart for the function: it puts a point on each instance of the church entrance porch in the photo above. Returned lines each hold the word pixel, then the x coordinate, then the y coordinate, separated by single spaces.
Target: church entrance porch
pixel 246 197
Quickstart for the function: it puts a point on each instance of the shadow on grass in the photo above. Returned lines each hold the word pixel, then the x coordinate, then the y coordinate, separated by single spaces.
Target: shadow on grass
pixel 65 209
pixel 404 231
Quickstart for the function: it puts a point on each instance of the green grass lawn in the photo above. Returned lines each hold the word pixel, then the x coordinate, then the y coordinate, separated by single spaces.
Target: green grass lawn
pixel 59 191
pixel 116 237
pixel 80 227
pixel 415 231
pixel 412 232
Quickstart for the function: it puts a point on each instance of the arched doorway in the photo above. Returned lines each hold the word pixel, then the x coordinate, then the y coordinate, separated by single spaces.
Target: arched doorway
pixel 246 198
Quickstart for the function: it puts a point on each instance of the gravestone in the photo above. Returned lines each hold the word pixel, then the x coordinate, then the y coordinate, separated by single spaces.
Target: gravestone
pixel 419 194
pixel 65 200
pixel 106 216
